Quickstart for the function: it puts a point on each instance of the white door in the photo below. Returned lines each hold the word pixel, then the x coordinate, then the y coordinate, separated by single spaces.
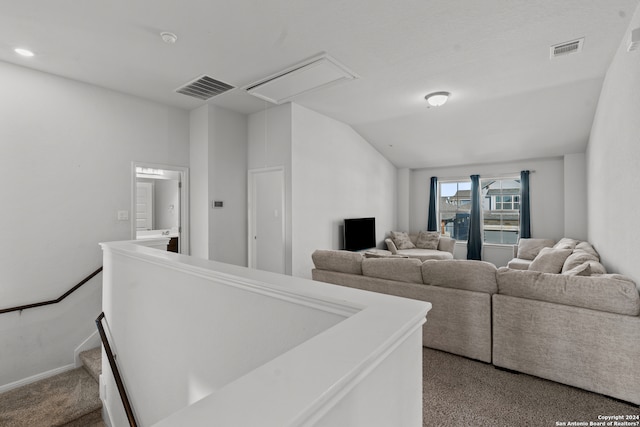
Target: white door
pixel 266 220
pixel 144 206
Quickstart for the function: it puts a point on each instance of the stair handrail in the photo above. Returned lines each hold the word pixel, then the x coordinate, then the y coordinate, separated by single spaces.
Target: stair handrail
pixel 53 301
pixel 116 372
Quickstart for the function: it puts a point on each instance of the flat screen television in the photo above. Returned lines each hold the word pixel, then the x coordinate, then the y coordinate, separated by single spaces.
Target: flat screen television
pixel 359 233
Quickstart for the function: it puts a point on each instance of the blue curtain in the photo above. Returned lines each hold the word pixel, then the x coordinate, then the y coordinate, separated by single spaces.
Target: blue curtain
pixel 432 224
pixel 474 244
pixel 525 215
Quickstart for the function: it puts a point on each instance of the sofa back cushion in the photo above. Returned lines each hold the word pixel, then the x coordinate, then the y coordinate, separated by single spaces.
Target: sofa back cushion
pixel 613 294
pixel 529 248
pixel 446 244
pixel 399 269
pixel 340 261
pixel 550 260
pixel 479 276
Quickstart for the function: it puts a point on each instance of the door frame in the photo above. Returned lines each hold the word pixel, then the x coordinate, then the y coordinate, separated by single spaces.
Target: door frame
pixel 251 241
pixel 183 228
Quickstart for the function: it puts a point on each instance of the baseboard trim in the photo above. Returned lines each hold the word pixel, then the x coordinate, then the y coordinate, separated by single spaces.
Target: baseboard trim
pixel 37 377
pixel 92 341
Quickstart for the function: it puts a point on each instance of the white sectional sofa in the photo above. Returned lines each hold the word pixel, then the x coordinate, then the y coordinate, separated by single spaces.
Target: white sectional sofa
pixel 580 327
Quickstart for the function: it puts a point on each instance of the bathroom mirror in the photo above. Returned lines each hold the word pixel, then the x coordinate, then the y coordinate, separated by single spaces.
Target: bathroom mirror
pixel 159 204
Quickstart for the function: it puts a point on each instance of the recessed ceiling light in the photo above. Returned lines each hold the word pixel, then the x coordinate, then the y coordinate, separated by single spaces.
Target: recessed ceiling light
pixel 436 99
pixel 23 52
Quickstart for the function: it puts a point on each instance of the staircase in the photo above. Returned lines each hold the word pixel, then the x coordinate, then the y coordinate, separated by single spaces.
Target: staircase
pixel 68 399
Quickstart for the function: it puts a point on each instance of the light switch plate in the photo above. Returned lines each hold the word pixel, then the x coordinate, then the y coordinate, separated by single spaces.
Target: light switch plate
pixel 123 215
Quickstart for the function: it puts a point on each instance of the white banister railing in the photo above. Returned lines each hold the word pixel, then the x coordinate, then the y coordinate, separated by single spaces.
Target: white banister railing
pixel 206 343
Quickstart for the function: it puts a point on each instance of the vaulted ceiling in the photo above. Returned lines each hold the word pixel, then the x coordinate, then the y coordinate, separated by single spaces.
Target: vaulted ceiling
pixel 509 99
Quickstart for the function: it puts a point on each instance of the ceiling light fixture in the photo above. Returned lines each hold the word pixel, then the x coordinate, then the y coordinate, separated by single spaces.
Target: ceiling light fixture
pixel 168 38
pixel 437 99
pixel 23 52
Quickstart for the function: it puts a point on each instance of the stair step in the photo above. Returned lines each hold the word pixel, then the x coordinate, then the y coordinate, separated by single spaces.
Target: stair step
pixel 92 360
pixel 69 399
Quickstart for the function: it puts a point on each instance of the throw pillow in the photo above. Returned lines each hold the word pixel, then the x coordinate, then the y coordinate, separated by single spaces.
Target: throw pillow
pixel 566 243
pixel 581 270
pixel 529 248
pixel 577 257
pixel 550 260
pixel 428 240
pixel 402 240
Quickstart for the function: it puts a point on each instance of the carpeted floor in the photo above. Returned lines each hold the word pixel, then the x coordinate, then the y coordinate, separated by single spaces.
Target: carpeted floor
pixel 54 401
pixel 462 392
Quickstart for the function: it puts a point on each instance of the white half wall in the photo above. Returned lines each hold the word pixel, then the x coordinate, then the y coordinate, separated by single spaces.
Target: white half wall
pixel 279 350
pixel 612 163
pixel 336 174
pixel 65 162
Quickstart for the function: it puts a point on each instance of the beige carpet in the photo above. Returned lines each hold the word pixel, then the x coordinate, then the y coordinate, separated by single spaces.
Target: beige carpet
pixel 462 392
pixel 72 395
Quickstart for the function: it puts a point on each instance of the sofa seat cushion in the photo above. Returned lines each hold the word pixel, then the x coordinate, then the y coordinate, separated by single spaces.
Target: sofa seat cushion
pixel 425 254
pixel 399 269
pixel 519 264
pixel 341 261
pixel 613 294
pixel 478 276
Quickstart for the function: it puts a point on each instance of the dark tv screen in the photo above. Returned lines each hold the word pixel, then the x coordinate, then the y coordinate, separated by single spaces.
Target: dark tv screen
pixel 359 233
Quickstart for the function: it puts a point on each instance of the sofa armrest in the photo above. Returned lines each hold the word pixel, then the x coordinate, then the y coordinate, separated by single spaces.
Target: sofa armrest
pixel 446 244
pixel 391 246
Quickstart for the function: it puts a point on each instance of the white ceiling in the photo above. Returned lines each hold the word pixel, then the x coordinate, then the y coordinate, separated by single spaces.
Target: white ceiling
pixel 509 100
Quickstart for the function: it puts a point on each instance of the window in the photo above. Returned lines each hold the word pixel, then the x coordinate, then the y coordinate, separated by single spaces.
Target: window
pixel 500 209
pixel 454 207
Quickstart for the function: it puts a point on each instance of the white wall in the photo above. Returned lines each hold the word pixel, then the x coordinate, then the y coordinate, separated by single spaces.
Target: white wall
pixel 336 175
pixel 546 192
pixel 575 196
pixel 270 146
pixel 218 150
pixel 403 198
pixel 65 163
pixel 612 163
pixel 199 181
pixel 228 183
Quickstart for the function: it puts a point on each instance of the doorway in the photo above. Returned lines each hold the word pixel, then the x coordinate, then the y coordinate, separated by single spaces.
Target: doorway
pixel 266 219
pixel 160 203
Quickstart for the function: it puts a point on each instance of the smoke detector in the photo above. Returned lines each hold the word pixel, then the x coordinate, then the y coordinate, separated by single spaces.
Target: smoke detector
pixel 168 38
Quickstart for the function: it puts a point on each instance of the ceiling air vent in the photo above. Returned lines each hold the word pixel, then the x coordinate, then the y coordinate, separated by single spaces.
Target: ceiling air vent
pixel 567 48
pixel 204 87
